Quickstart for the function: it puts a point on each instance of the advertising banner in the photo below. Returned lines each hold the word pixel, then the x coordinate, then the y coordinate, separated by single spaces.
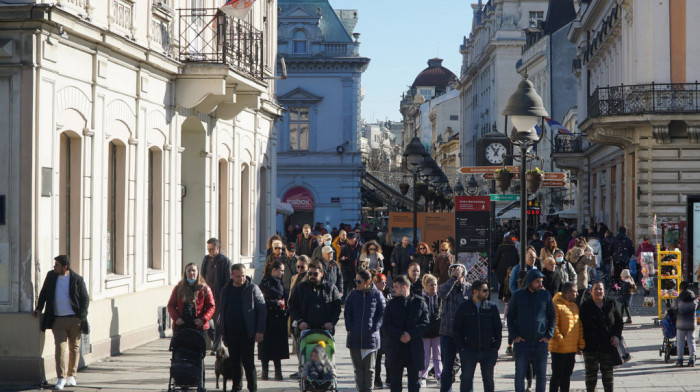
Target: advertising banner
pixel 473 234
pixel 300 198
pixel 432 227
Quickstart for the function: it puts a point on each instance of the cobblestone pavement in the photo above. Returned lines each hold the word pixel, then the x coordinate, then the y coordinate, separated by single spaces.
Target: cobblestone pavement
pixel 146 368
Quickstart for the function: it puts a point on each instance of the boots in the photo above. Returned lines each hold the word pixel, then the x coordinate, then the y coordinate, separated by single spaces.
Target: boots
pixel 265 368
pixel 691 361
pixel 278 371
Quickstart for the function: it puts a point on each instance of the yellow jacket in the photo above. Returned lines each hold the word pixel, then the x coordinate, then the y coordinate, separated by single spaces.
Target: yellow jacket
pixel 337 247
pixel 568 331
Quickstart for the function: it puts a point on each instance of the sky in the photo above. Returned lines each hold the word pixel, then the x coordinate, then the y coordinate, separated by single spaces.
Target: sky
pixel 399 36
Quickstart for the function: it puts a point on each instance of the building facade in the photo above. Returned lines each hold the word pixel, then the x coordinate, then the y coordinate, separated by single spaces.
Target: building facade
pixel 319 159
pixel 133 132
pixel 636 105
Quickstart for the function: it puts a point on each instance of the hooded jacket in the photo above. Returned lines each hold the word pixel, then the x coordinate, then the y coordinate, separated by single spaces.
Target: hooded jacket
pixel 364 311
pixel 568 330
pixel 687 305
pixel 531 314
pixel 254 308
pixel 452 295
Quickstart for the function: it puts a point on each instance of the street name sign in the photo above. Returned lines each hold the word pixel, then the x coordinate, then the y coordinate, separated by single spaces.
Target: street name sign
pixel 509 197
pixel 485 169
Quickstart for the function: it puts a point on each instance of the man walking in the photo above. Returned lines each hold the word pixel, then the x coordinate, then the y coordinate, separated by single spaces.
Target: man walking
pixel 364 310
pixel 405 320
pixel 305 242
pixel 315 303
pixel 331 269
pixel 452 293
pixel 216 268
pixel 531 321
pixel 349 255
pixel 478 335
pixel 66 299
pixel 243 317
pixel 401 257
pixel 622 250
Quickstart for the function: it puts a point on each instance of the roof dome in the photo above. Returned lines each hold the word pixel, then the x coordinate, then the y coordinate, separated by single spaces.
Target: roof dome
pixel 435 75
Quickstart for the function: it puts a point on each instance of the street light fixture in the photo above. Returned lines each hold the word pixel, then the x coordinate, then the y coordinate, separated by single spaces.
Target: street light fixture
pixel 472 186
pixel 415 155
pixel 525 109
pixel 459 188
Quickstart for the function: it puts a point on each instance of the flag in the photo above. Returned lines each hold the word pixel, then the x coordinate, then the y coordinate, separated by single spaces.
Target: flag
pixel 555 126
pixel 538 130
pixel 653 225
pixel 237 8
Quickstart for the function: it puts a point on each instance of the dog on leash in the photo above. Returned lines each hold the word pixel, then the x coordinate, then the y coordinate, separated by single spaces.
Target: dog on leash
pixel 223 367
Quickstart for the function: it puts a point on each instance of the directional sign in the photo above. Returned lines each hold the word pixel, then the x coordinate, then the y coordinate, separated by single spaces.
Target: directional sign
pixel 554 183
pixel 485 169
pixel 516 176
pixel 497 197
pixel 492 176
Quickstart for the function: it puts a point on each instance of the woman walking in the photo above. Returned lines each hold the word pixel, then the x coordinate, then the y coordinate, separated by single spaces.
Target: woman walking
pixel 274 346
pixel 371 257
pixel 431 335
pixel 686 305
pixel 424 258
pixel 443 261
pixel 567 339
pixel 506 257
pixel 191 303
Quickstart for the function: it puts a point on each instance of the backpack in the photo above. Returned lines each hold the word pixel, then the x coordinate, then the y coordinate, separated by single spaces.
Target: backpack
pixel 621 254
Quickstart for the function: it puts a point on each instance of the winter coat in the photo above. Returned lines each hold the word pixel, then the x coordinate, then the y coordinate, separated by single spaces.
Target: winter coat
pixel 349 255
pixel 506 256
pixel 274 345
pixel 405 315
pixel 203 304
pixel 254 308
pixel 452 295
pixel 223 272
pixel 365 262
pixel 544 253
pixel 478 328
pixel 531 314
pixel 577 257
pixel 622 249
pixel 305 246
pixel 600 325
pixel 433 329
pixel 441 269
pixel 337 245
pixel 645 246
pixel 315 305
pixel 401 257
pixel 686 304
pixel 321 370
pixel 364 312
pixel 333 275
pixel 425 262
pixel 514 275
pixel 597 250
pixel 568 330
pixel 79 300
pixel 626 287
pixel 567 271
pixel 552 281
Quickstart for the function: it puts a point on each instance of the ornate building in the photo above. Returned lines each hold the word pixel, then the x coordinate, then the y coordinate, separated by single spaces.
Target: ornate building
pixel 132 132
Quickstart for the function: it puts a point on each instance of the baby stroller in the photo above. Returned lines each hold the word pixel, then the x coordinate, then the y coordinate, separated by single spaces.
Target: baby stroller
pixel 668 326
pixel 187 363
pixel 307 341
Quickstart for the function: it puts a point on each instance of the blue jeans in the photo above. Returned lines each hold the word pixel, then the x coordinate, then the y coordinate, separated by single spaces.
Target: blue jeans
pixel 523 352
pixel 448 353
pixel 487 360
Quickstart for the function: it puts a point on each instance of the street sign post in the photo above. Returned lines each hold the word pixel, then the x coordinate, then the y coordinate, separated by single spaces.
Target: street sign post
pixel 486 169
pixel 553 176
pixel 554 183
pixel 509 197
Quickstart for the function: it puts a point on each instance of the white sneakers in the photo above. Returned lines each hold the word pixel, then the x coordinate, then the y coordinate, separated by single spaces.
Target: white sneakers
pixel 422 383
pixel 63 382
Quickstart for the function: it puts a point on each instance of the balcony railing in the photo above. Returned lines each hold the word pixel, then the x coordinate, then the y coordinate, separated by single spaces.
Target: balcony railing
pixel 565 143
pixel 670 98
pixel 209 36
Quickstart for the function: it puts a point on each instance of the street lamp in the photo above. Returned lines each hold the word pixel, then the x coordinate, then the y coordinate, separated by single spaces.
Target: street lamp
pixel 525 109
pixel 415 155
pixel 459 188
pixel 472 186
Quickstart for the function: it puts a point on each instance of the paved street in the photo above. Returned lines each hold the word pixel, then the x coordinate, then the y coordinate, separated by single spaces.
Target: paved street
pixel 146 368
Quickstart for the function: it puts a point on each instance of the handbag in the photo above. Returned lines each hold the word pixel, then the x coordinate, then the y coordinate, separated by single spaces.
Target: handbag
pixel 622 354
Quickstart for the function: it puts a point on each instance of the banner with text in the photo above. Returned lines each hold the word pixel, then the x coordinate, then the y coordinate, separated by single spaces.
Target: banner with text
pixel 473 234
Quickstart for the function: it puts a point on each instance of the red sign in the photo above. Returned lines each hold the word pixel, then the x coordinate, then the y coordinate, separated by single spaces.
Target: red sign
pixel 473 203
pixel 554 183
pixel 300 198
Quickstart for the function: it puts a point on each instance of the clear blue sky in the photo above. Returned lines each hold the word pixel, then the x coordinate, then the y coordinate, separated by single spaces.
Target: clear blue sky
pixel 399 37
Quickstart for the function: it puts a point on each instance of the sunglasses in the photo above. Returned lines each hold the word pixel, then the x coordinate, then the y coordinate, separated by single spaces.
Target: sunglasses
pixel 444 250
pixel 372 249
pixel 313 273
pixel 421 248
pixel 277 248
pixel 359 281
pixel 484 290
pixel 301 266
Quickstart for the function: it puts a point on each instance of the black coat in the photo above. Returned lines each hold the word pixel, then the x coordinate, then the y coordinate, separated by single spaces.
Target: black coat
pixel 348 258
pixel 506 256
pixel 425 261
pixel 600 325
pixel 433 329
pixel 315 305
pixel 552 281
pixel 401 316
pixel 79 300
pixel 332 275
pixel 478 329
pixel 274 345
pixel 223 273
pixel 402 258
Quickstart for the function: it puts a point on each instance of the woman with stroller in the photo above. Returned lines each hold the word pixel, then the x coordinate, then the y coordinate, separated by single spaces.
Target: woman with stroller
pixel 274 346
pixel 191 303
pixel 686 305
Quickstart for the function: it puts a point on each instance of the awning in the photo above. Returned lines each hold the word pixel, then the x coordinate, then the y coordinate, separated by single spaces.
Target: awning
pixel 513 213
pixel 284 208
pixel 568 214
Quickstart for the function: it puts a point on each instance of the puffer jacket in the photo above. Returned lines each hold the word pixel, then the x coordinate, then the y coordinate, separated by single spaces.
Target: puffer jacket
pixel 577 257
pixel 568 330
pixel 364 311
pixel 452 295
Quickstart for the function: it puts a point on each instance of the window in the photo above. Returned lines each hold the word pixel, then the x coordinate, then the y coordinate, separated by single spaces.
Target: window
pixel 155 210
pixel 536 15
pixel 69 177
pixel 116 207
pixel 262 210
pixel 245 210
pixel 454 117
pixel 223 205
pixel 427 94
pixel 299 43
pixel 298 128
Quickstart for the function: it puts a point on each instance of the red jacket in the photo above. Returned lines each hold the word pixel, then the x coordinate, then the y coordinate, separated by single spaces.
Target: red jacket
pixel 645 246
pixel 204 305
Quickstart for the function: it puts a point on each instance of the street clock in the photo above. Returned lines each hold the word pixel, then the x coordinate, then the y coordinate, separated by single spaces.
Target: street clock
pixel 492 150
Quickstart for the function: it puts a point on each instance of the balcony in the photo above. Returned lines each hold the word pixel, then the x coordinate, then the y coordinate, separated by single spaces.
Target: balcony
pixel 569 144
pixel 670 98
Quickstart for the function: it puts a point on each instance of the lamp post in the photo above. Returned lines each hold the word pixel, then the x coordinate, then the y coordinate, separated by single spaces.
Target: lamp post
pixel 472 186
pixel 415 155
pixel 525 108
pixel 459 188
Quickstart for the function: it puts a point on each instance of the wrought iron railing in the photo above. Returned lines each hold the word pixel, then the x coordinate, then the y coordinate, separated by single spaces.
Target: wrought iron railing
pixel 207 35
pixel 669 98
pixel 565 143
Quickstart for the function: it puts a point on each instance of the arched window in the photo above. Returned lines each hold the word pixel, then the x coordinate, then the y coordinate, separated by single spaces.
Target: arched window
pixel 299 42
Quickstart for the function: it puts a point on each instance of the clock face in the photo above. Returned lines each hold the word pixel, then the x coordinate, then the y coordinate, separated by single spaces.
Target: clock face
pixel 495 152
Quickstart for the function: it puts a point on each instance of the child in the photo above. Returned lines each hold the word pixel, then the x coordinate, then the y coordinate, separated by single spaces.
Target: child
pixel 318 366
pixel 627 288
pixel 686 304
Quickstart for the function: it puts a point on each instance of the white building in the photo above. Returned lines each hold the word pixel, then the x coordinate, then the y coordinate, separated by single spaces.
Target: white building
pixel 132 132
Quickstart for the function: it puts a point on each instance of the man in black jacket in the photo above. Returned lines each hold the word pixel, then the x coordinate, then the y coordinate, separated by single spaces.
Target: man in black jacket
pixel 478 334
pixel 332 272
pixel 66 299
pixel 216 268
pixel 405 320
pixel 349 254
pixel 315 303
pixel 401 257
